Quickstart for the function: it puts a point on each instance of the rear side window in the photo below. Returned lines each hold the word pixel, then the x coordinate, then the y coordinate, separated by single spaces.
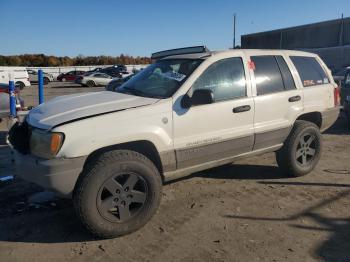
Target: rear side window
pixel 310 71
pixel 225 78
pixel 267 75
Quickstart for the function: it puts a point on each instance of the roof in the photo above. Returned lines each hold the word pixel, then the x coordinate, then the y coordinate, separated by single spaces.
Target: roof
pixel 233 51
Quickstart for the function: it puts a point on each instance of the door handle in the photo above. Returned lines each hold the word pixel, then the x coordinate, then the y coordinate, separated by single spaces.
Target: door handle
pixel 294 99
pixel 241 109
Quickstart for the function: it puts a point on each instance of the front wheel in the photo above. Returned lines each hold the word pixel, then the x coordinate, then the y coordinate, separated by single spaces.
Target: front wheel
pixel 118 193
pixel 301 151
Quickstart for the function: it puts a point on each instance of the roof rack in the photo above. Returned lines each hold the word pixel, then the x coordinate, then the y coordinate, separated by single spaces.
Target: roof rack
pixel 180 51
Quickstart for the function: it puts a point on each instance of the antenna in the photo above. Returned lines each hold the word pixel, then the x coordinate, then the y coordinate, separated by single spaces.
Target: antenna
pixel 234 31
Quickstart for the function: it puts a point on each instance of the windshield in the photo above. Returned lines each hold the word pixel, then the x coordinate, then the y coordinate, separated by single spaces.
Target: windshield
pixel 161 79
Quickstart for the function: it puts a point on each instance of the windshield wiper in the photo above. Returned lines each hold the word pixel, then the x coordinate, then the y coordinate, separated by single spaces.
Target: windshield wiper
pixel 137 92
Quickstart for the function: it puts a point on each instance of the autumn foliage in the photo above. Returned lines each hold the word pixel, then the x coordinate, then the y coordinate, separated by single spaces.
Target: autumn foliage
pixel 43 60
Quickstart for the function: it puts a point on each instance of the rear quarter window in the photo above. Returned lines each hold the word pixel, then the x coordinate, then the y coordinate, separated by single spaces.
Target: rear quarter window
pixel 310 71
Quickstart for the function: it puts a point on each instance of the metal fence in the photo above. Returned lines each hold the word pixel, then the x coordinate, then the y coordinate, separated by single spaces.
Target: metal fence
pixel 55 71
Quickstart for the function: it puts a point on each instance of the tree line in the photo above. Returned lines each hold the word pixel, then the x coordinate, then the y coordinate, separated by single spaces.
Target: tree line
pixel 37 60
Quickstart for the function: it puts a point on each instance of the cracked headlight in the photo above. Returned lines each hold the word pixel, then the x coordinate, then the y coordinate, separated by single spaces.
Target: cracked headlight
pixel 45 144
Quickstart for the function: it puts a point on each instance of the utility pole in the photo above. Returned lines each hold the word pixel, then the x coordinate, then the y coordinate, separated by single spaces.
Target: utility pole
pixel 341 32
pixel 234 31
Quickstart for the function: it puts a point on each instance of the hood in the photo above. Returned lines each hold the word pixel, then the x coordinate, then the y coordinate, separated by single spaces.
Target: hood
pixel 71 107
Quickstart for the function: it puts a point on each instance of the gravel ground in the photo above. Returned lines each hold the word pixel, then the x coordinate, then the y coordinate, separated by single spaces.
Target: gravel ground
pixel 246 211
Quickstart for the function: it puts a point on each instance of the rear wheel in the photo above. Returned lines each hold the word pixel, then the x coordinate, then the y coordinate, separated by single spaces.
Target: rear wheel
pixel 118 193
pixel 301 151
pixel 90 83
pixel 46 81
pixel 21 85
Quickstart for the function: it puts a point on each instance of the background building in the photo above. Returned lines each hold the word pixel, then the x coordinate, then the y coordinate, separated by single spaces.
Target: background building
pixel 329 39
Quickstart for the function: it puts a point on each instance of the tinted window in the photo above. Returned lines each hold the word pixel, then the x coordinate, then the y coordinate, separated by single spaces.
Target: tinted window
pixel 100 76
pixel 287 77
pixel 310 71
pixel 267 75
pixel 225 78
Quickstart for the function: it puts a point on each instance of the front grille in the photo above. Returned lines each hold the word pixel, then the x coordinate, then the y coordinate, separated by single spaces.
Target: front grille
pixel 19 136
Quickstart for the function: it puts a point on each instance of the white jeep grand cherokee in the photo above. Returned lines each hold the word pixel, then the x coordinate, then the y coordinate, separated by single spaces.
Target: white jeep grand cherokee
pixel 190 110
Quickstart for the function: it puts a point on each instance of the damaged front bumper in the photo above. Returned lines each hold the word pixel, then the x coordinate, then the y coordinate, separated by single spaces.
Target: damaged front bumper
pixel 57 175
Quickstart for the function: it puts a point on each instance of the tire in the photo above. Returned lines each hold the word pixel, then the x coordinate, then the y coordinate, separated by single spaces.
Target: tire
pixel 21 85
pixel 46 81
pixel 64 79
pixel 102 195
pixel 90 83
pixel 301 151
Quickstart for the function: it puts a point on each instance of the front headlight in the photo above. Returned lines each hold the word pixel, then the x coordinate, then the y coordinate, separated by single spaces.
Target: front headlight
pixel 45 144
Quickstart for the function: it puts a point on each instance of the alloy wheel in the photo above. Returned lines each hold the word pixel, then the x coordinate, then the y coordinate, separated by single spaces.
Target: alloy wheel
pixel 121 197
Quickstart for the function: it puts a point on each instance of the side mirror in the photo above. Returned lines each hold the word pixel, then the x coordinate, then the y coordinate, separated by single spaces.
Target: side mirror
pixel 199 97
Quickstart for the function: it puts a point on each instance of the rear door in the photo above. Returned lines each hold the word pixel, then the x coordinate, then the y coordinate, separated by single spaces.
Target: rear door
pixel 70 76
pixel 277 99
pixel 102 79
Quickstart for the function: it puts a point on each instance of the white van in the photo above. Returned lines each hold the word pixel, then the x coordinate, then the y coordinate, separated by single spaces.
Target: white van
pixel 18 74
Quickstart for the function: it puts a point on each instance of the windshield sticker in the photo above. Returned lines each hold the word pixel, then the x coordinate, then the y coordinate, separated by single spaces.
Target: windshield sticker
pixel 174 76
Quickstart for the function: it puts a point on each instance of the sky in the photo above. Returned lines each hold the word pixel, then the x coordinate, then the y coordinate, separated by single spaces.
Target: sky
pixel 140 27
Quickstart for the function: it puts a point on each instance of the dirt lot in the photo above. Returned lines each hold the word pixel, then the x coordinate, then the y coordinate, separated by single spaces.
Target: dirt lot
pixel 244 212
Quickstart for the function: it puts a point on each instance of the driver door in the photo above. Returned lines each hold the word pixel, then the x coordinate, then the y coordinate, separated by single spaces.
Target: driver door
pixel 220 130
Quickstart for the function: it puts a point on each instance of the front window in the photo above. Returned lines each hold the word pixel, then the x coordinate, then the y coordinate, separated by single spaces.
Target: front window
pixel 225 78
pixel 161 79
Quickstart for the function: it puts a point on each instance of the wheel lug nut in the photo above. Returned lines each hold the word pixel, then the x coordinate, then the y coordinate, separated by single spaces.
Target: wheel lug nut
pixel 116 199
pixel 126 189
pixel 118 191
pixel 123 203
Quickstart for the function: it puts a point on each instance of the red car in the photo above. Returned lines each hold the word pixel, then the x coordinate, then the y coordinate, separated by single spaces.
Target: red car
pixel 70 76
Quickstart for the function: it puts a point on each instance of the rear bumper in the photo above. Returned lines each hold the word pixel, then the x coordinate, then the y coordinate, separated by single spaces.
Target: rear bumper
pixel 57 175
pixel 329 116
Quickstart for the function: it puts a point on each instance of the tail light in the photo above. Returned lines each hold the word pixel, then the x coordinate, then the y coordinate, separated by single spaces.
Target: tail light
pixel 336 96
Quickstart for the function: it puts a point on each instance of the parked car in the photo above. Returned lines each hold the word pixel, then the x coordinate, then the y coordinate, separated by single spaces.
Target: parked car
pixel 70 76
pixel 347 107
pixel 115 71
pixel 94 79
pixel 117 82
pixel 18 74
pixel 338 75
pixel 189 111
pixel 345 86
pixel 93 70
pixel 33 77
pixel 5 100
